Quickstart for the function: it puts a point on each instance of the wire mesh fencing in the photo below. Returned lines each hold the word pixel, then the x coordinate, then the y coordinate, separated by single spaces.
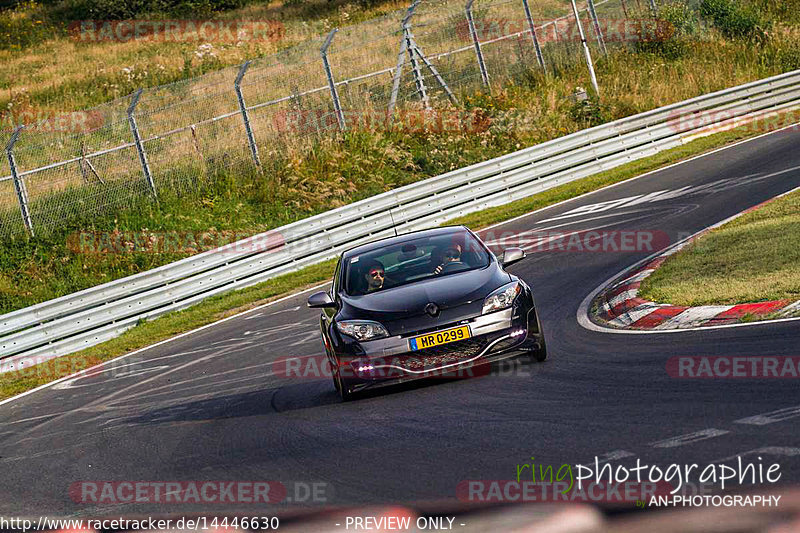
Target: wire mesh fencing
pixel 396 70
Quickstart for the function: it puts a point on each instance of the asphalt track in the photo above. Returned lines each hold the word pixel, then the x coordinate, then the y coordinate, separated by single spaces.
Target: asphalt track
pixel 209 406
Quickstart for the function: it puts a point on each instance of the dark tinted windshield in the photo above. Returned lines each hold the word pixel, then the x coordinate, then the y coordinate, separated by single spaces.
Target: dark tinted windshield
pixel 413 260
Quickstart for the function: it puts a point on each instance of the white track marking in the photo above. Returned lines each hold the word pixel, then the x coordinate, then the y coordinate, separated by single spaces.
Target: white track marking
pixel 771 417
pixel 689 438
pixel 628 318
pixel 694 316
pixel 613 185
pixel 614 456
pixel 767 450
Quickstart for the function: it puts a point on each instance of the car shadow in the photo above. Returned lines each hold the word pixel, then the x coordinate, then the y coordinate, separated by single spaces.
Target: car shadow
pixel 313 394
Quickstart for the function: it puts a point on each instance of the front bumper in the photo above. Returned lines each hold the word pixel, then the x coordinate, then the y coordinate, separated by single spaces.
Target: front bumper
pixel 495 336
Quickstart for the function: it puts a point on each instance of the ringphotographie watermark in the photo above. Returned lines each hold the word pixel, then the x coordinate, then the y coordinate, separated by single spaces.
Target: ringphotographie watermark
pixel 176 31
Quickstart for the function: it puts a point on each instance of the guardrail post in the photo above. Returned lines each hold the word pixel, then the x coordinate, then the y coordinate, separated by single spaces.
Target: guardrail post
pixel 476 42
pixel 138 142
pixel 586 51
pixel 19 184
pixel 331 84
pixel 600 40
pixel 251 140
pixel 532 27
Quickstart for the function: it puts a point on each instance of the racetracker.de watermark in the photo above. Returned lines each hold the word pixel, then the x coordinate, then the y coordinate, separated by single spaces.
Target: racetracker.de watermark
pixel 411 121
pixel 318 367
pixel 590 241
pixel 623 30
pixel 715 121
pixel 734 367
pixel 177 31
pixel 202 492
pixel 40 121
pixel 172 242
pixel 512 491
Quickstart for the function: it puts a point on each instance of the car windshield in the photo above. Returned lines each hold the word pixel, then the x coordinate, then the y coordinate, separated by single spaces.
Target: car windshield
pixel 413 260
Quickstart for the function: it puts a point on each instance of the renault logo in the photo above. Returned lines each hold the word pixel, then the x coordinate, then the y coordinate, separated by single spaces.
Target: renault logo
pixel 432 309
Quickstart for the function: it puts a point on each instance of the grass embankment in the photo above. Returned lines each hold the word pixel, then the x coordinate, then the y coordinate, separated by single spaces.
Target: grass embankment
pixel 308 179
pixel 219 307
pixel 44 65
pixel 753 258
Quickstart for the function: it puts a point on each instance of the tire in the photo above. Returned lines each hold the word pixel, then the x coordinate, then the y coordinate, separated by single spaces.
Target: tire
pixel 342 387
pixel 541 354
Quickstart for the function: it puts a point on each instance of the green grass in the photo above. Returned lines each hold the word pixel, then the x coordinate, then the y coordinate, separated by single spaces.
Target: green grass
pixel 754 258
pixel 221 306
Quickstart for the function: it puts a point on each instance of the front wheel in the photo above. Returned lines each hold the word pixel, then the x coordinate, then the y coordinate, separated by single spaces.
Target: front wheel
pixel 342 387
pixel 540 354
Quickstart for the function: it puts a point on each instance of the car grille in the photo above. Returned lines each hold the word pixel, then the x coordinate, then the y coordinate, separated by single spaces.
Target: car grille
pixel 446 354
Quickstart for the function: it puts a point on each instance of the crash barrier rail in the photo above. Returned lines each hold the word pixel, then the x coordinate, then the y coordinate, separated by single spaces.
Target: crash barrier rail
pixel 82 319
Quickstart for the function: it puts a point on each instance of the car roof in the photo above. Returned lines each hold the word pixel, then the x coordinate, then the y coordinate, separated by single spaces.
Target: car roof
pixel 403 237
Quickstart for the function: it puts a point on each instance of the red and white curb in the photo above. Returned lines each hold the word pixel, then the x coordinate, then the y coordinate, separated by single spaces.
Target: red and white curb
pixel 619 306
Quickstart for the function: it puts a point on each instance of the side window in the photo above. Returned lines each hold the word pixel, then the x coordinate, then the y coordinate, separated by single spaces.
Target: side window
pixel 336 275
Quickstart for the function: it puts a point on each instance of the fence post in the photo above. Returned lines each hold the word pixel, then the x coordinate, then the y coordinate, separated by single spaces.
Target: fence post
pixel 138 142
pixel 401 59
pixel 586 51
pixel 600 40
pixel 476 42
pixel 19 184
pixel 532 27
pixel 251 140
pixel 331 84
pixel 419 81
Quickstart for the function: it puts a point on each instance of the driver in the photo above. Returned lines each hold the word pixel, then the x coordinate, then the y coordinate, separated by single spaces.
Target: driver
pixel 451 255
pixel 374 275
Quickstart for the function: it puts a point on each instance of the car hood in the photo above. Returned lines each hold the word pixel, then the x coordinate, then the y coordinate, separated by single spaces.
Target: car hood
pixel 402 309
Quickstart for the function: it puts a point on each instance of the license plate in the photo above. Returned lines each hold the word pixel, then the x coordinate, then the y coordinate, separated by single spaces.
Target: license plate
pixel 440 337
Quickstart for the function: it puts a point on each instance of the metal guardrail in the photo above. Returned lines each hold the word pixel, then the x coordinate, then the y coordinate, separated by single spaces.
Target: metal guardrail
pixel 75 321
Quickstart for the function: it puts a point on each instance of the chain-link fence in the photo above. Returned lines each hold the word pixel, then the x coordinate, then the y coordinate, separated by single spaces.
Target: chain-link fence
pixel 399 67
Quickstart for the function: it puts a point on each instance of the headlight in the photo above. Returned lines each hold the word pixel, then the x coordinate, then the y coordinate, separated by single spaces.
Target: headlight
pixel 363 330
pixel 502 298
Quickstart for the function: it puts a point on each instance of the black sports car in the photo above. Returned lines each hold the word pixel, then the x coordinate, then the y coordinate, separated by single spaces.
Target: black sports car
pixel 421 304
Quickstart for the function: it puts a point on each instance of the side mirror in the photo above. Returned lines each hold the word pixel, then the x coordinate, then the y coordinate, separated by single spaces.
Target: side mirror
pixel 320 299
pixel 512 255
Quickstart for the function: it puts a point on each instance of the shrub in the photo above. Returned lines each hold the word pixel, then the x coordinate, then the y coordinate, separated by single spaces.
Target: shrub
pixel 127 9
pixel 734 20
pixel 23 26
pixel 667 36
